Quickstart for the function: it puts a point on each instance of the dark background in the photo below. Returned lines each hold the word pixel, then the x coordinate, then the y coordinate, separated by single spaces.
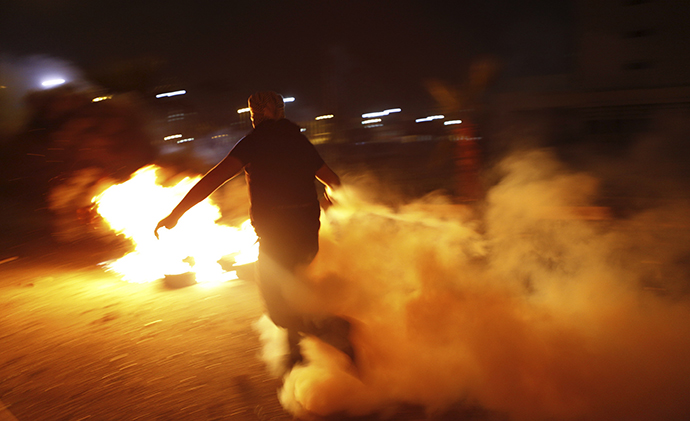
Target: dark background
pixel 356 56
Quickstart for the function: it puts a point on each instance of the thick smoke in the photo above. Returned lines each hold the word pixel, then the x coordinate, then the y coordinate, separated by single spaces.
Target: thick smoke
pixel 543 309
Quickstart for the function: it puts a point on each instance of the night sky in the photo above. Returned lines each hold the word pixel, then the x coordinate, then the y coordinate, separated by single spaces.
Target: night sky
pixel 363 55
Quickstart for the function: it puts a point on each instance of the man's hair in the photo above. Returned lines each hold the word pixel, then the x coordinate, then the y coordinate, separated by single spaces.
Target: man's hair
pixel 259 101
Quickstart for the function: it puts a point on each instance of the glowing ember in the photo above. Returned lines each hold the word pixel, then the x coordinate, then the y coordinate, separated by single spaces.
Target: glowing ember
pixel 133 209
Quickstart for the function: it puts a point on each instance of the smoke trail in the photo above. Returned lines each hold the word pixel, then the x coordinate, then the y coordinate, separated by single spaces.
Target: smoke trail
pixel 534 313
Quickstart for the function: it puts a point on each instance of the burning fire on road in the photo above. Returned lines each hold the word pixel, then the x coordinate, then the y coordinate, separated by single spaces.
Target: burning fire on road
pixel 193 248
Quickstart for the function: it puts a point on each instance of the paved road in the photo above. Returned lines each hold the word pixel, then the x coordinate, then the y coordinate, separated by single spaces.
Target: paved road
pixel 80 344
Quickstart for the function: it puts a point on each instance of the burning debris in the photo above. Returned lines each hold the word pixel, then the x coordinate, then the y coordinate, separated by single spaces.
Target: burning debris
pixel 191 251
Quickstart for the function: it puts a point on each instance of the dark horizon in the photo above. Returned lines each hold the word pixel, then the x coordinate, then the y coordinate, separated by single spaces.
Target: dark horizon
pixel 358 57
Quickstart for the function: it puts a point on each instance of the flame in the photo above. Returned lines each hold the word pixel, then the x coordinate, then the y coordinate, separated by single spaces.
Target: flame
pixel 196 244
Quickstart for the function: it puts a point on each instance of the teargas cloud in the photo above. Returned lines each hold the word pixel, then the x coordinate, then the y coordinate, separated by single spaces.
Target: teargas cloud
pixel 546 309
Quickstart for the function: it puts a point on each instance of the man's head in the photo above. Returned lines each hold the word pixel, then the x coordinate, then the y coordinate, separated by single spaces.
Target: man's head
pixel 266 105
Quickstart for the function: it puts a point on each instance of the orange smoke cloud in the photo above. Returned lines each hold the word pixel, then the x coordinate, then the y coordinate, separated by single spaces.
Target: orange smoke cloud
pixel 531 312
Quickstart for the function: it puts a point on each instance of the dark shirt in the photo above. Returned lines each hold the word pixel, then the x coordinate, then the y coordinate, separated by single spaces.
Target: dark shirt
pixel 280 166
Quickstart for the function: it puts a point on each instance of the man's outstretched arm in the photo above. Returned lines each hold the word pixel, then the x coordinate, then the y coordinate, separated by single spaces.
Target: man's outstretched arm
pixel 224 171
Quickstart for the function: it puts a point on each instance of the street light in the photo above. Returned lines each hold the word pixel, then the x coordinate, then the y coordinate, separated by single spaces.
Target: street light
pixel 430 118
pixel 52 82
pixel 381 113
pixel 173 93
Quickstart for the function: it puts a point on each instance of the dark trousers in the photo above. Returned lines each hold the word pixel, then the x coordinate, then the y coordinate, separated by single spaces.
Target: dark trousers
pixel 288 239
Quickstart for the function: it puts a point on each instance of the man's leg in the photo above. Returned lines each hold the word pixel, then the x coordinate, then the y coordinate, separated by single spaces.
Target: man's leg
pixel 295 357
pixel 330 329
pixel 271 277
pixel 283 247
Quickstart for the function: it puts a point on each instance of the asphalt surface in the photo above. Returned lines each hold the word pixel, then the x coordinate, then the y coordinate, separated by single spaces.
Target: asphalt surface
pixel 78 344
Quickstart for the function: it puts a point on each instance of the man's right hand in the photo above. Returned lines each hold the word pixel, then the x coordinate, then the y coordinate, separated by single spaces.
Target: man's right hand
pixel 168 222
pixel 326 201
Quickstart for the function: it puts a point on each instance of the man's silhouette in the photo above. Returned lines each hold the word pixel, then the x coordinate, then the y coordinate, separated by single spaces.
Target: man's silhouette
pixel 280 165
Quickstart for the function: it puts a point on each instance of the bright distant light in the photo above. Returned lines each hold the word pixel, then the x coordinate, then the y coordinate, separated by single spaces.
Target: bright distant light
pixel 372 121
pixel 324 117
pixel 302 129
pixel 376 114
pixel 381 113
pixel 449 122
pixel 173 93
pixel 289 99
pixel 102 98
pixel 174 136
pixel 430 118
pixel 52 82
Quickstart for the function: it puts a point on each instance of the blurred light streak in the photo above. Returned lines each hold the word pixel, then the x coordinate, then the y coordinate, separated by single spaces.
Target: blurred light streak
pixel 371 121
pixel 451 122
pixel 247 109
pixel 324 117
pixel 381 113
pixel 189 139
pixel 173 93
pixel 429 118
pixel 102 98
pixel 174 136
pixel 52 82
